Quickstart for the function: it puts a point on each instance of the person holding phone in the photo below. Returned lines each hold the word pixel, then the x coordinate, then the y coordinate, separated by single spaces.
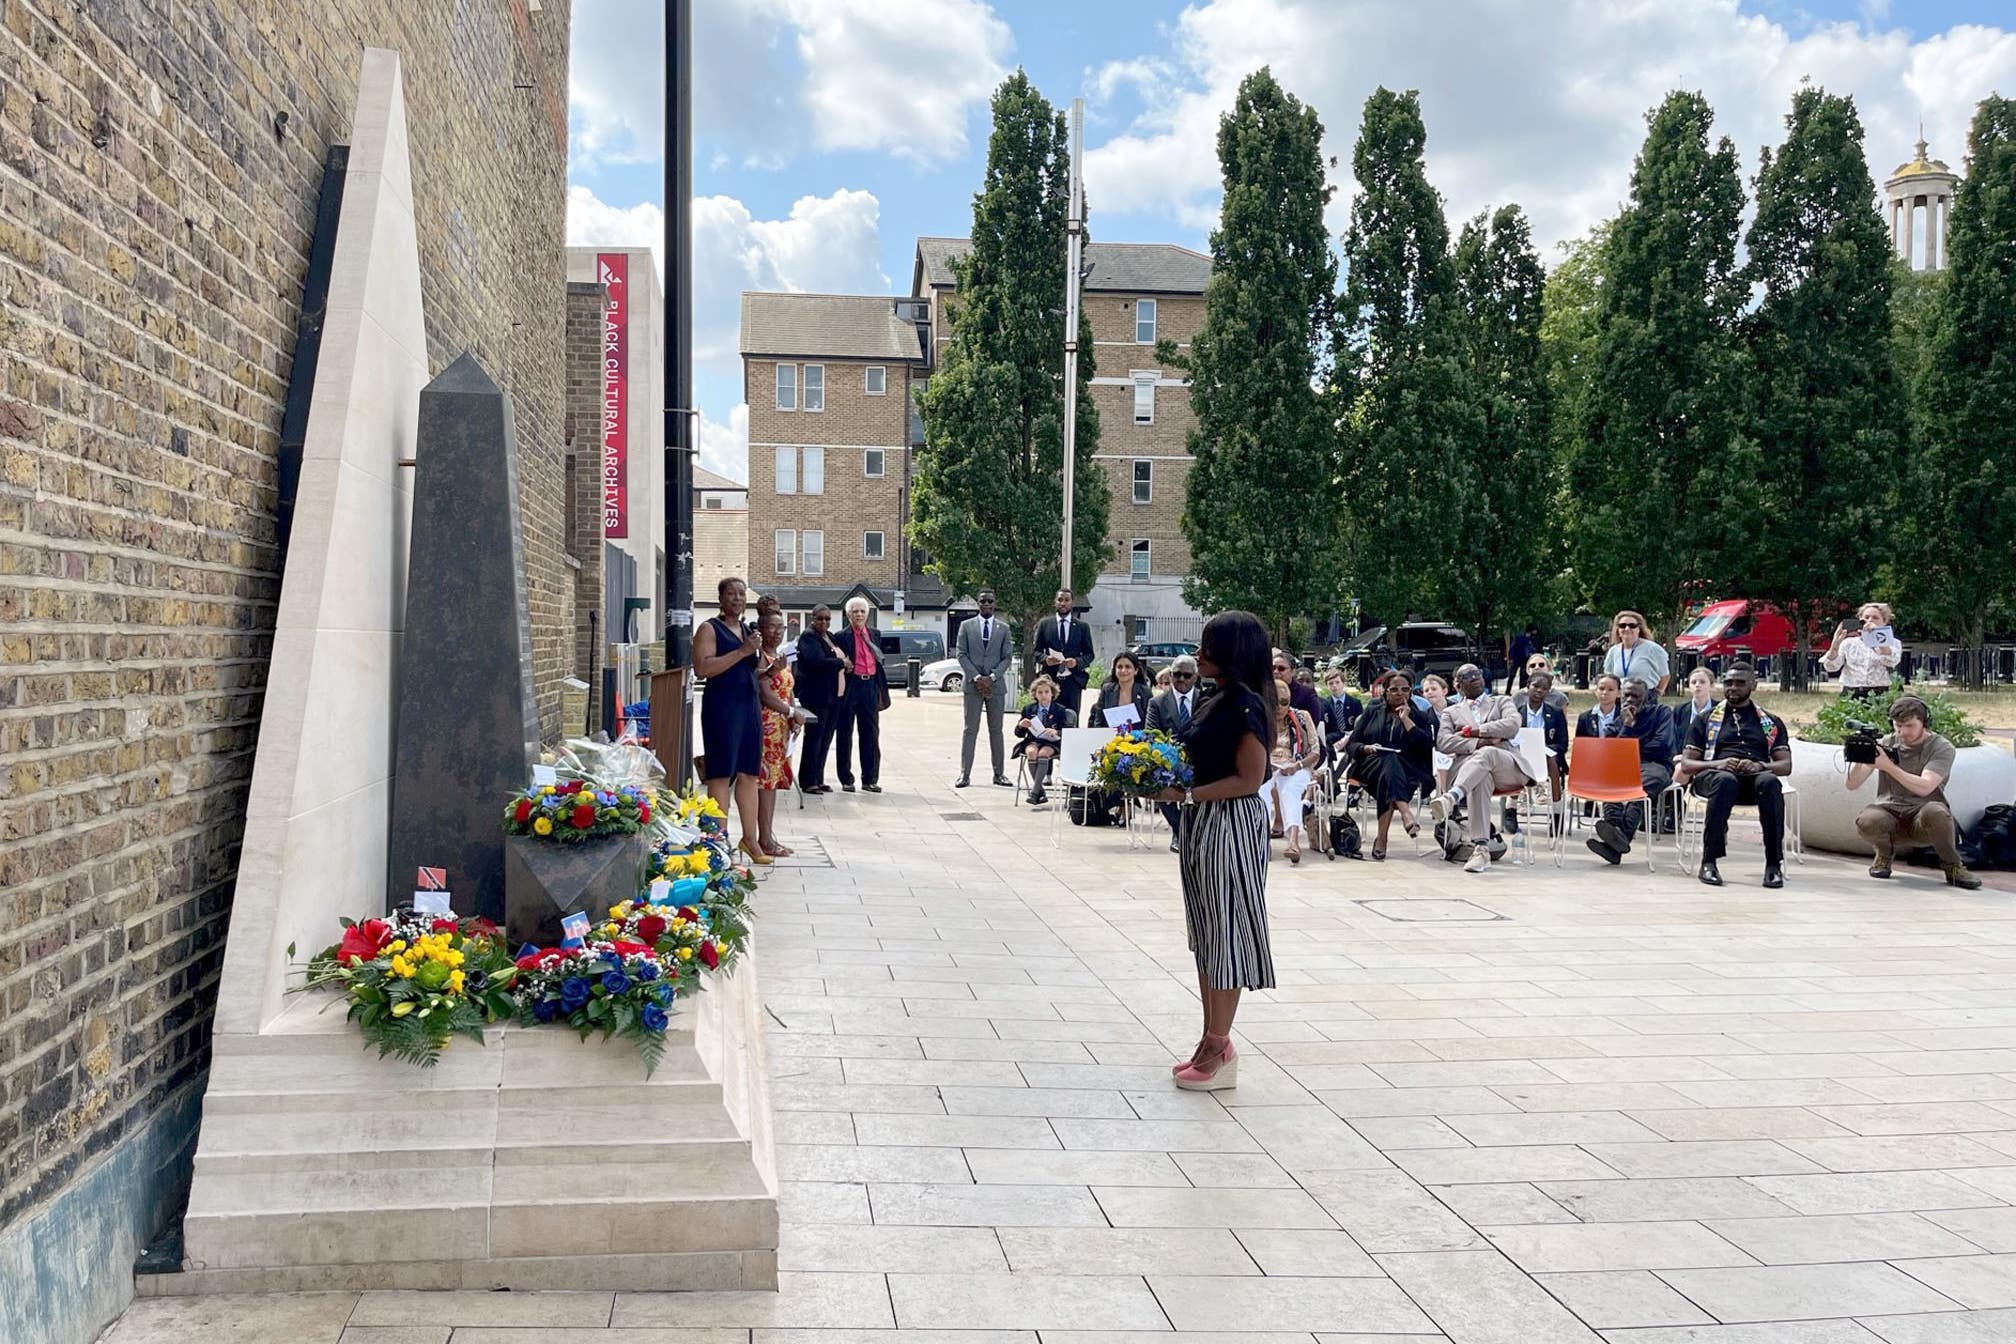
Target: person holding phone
pixel 1865 651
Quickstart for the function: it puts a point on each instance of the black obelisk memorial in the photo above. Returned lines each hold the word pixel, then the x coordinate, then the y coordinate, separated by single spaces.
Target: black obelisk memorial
pixel 468 729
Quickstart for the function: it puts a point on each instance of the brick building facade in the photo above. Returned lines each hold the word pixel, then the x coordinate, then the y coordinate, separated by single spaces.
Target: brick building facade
pixel 159 172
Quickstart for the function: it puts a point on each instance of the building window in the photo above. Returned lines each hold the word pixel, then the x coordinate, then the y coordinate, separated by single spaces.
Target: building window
pixel 815 387
pixel 1144 401
pixel 787 471
pixel 1144 482
pixel 1140 629
pixel 871 463
pixel 871 545
pixel 786 557
pixel 1137 561
pixel 917 391
pixel 1144 322
pixel 814 544
pixel 876 380
pixel 787 387
pixel 812 475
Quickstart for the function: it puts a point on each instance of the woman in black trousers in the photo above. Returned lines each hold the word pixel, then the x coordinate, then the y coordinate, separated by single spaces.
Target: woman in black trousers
pixel 1224 844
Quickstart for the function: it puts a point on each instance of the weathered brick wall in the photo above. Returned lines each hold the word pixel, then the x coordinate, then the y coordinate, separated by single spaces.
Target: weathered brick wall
pixel 154 228
pixel 853 502
pixel 584 438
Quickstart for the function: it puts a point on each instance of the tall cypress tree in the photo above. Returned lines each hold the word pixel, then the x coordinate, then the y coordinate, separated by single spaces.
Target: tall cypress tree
pixel 1496 576
pixel 1959 512
pixel 1665 388
pixel 1826 411
pixel 987 493
pixel 1409 409
pixel 1260 502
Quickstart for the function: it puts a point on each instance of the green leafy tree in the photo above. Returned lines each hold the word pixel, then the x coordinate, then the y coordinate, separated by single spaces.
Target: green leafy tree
pixel 1959 510
pixel 1409 409
pixel 1651 502
pixel 1825 410
pixel 1260 504
pixel 987 496
pixel 1497 575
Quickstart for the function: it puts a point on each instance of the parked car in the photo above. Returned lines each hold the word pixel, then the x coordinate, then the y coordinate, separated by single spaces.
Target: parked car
pixel 1157 656
pixel 1721 628
pixel 943 675
pixel 1420 646
pixel 900 646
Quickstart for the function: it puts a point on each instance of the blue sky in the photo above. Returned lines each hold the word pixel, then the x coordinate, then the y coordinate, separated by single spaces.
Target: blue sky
pixel 829 134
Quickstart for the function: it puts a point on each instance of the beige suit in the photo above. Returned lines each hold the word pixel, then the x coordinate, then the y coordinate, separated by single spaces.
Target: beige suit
pixel 1482 766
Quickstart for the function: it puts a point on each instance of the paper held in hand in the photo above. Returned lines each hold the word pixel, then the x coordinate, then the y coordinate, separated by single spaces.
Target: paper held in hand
pixel 1122 716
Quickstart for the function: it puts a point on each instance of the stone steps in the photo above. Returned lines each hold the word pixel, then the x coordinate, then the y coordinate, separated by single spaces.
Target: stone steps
pixel 534 1160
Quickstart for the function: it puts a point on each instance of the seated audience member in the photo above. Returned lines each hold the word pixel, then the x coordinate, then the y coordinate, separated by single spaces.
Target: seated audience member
pixel 1340 711
pixel 1390 753
pixel 1601 720
pixel 1633 653
pixel 1170 712
pixel 1555 695
pixel 1910 806
pixel 1436 692
pixel 1039 732
pixel 1700 703
pixel 1126 684
pixel 1538 712
pixel 1739 754
pixel 1476 732
pixel 1865 658
pixel 1651 723
pixel 1163 681
pixel 1301 693
pixel 1296 749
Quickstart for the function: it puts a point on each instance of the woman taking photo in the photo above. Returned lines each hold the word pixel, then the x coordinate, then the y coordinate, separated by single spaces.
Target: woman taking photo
pixel 731 734
pixel 1391 754
pixel 1296 749
pixel 1864 652
pixel 1126 684
pixel 1633 654
pixel 1224 844
pixel 780 721
pixel 1038 734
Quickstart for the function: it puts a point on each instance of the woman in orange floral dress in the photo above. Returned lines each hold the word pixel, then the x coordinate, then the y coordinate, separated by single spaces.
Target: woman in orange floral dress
pixel 780 722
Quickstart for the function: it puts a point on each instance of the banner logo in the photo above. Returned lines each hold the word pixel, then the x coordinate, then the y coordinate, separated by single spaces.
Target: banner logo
pixel 613 269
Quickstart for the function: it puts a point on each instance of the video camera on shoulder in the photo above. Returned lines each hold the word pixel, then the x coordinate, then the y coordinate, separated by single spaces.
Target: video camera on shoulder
pixel 1862 744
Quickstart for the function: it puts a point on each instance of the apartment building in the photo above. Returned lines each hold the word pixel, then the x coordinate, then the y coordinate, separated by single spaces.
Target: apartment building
pixel 831 382
pixel 1134 295
pixel 720 536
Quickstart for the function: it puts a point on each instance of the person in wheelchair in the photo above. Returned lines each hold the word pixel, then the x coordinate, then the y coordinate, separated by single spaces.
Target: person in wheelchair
pixel 1039 732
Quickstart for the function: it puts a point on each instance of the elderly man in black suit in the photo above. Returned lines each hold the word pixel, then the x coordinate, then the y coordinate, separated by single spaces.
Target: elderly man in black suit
pixel 1170 712
pixel 821 684
pixel 1064 650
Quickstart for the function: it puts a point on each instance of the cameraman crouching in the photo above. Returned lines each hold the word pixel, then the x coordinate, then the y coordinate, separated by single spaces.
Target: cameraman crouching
pixel 1910 805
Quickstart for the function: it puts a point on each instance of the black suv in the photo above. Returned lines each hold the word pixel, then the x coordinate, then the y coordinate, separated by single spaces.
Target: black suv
pixel 1419 646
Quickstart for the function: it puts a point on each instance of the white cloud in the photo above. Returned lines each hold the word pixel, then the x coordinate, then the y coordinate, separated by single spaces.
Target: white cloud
pixel 772 76
pixel 827 244
pixel 1536 101
pixel 725 448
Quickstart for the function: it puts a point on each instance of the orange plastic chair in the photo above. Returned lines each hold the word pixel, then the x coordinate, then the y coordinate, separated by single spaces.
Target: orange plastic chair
pixel 1605 770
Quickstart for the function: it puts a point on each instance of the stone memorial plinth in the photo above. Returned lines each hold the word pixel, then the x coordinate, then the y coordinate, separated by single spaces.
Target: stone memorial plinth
pixel 545 881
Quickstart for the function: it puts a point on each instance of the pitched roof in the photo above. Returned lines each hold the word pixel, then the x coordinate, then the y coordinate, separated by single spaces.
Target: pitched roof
pixel 1124 268
pixel 704 479
pixel 845 326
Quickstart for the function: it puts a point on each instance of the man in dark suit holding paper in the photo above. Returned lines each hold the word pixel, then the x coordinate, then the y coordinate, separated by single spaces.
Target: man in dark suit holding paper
pixel 1064 650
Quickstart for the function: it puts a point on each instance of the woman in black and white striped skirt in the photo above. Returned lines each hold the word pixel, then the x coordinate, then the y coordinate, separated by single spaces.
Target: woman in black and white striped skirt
pixel 1224 844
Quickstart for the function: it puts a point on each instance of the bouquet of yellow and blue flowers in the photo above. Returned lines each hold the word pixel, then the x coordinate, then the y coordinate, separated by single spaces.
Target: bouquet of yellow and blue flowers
pixel 1142 762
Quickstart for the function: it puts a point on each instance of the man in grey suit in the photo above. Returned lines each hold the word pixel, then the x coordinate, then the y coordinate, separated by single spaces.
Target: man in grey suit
pixel 983 653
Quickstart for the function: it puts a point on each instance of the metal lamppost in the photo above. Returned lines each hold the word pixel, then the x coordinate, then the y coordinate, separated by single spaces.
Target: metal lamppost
pixel 1074 251
pixel 672 689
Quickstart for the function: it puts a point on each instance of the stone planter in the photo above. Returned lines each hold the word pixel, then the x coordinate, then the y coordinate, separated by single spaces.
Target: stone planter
pixel 545 881
pixel 1981 776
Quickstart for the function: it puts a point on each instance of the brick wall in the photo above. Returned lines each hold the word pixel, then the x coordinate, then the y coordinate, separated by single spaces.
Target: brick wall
pixel 584 439
pixel 852 502
pixel 154 227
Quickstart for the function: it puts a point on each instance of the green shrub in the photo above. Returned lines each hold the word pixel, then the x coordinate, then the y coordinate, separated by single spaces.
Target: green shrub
pixel 1831 726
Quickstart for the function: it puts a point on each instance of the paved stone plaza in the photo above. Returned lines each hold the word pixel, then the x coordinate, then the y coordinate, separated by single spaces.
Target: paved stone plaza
pixel 1538 1106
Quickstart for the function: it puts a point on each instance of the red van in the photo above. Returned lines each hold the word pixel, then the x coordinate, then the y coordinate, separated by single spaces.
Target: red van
pixel 1720 628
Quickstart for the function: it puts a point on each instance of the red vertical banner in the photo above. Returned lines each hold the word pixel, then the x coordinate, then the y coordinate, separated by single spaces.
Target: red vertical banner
pixel 613 269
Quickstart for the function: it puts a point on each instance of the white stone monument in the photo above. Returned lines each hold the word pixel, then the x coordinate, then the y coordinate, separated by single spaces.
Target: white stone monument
pixel 1924 184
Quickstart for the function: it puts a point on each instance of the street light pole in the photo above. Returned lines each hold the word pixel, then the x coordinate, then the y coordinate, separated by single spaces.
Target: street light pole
pixel 1074 251
pixel 680 421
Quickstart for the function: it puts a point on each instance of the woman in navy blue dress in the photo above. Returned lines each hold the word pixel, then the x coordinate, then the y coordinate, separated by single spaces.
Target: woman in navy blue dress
pixel 731 723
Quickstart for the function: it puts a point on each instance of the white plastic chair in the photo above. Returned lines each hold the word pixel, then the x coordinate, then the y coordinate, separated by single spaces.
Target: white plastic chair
pixel 1072 769
pixel 1690 815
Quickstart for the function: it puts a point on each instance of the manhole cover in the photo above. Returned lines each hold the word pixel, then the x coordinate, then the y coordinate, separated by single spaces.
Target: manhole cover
pixel 959 816
pixel 1430 911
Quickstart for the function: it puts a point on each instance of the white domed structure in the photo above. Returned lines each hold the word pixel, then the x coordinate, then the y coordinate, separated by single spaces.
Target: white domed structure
pixel 1925 183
